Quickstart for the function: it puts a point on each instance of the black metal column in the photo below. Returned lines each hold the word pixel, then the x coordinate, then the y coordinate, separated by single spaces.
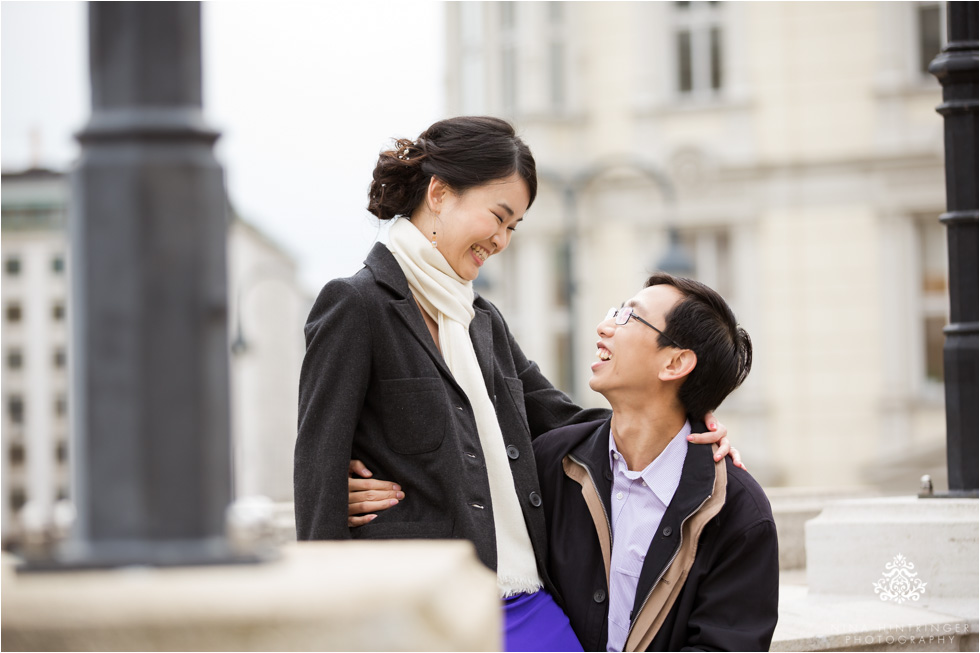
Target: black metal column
pixel 956 69
pixel 152 456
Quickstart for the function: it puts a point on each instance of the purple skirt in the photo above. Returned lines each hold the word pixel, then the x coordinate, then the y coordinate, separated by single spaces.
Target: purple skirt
pixel 534 622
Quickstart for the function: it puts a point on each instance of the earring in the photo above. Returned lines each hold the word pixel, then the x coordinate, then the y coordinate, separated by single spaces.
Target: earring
pixel 434 239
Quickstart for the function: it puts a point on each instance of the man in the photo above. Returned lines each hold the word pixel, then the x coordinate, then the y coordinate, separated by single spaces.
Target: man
pixel 653 544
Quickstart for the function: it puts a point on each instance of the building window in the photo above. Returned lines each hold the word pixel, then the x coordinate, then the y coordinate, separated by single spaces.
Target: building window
pixel 15 359
pixel 14 313
pixel 61 452
pixel 58 264
pixel 61 406
pixel 15 409
pixel 12 266
pixel 685 81
pixel 930 21
pixel 59 358
pixel 934 295
pixel 16 454
pixel 17 498
pixel 699 48
pixel 58 311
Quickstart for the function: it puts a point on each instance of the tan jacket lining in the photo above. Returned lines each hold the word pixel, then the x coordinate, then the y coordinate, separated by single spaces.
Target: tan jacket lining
pixel 658 605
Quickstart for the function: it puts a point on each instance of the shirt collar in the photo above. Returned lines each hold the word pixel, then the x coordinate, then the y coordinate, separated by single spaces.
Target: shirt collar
pixel 663 475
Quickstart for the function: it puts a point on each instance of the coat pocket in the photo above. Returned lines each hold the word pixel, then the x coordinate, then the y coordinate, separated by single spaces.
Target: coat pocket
pixel 400 530
pixel 414 414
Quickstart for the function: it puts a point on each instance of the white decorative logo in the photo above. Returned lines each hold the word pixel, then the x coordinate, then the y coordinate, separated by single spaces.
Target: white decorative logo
pixel 899 583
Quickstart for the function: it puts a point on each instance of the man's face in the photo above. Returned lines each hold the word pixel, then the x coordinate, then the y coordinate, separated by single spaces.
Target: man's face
pixel 630 360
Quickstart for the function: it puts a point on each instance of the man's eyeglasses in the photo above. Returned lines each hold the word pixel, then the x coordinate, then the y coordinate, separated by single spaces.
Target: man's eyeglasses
pixel 623 316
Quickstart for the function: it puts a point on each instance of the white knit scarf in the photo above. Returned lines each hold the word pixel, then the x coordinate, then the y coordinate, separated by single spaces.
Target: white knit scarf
pixel 448 299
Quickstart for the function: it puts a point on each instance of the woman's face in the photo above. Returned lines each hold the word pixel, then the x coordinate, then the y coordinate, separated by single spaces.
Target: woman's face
pixel 474 225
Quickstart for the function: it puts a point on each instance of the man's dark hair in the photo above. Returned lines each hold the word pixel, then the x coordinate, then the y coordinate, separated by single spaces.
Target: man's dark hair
pixel 703 322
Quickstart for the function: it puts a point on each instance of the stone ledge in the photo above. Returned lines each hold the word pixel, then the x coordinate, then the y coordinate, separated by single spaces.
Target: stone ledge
pixel 846 623
pixel 318 596
pixel 853 543
pixel 793 507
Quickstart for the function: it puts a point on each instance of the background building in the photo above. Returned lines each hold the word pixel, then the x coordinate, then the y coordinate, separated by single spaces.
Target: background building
pixel 796 150
pixel 268 309
pixel 35 347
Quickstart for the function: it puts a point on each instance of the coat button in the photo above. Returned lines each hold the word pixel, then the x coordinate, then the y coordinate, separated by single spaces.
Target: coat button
pixel 535 499
pixel 599 596
pixel 513 453
pixel 667 531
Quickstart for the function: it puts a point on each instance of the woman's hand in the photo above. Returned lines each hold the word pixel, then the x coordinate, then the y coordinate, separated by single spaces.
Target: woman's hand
pixel 717 433
pixel 366 495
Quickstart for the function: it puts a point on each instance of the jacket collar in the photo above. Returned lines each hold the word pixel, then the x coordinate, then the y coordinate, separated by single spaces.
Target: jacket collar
pixel 382 264
pixel 593 453
pixel 386 270
pixel 695 487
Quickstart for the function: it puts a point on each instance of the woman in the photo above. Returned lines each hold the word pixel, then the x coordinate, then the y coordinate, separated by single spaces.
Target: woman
pixel 412 373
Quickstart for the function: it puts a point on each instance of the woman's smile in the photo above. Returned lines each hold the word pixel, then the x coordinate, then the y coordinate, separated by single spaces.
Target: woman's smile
pixel 480 253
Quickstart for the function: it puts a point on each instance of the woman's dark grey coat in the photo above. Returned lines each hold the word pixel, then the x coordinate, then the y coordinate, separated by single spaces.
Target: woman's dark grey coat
pixel 375 387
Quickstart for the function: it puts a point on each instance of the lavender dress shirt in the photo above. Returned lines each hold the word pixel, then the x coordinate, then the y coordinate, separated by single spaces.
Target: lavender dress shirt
pixel 639 500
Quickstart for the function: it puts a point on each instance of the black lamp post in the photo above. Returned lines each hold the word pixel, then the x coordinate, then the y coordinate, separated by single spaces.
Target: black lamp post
pixel 956 69
pixel 675 260
pixel 152 458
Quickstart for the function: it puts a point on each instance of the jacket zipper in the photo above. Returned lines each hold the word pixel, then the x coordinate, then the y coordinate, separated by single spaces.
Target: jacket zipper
pixel 677 550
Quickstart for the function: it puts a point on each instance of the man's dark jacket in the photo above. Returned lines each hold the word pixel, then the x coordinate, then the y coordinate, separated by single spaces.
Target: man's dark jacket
pixel 710 579
pixel 374 387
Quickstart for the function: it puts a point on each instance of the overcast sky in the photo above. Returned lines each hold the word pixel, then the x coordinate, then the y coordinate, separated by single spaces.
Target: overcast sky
pixel 305 94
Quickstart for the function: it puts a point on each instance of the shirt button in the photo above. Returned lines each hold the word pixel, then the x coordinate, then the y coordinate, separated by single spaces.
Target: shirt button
pixel 599 596
pixel 619 495
pixel 615 456
pixel 667 531
pixel 644 483
pixel 513 453
pixel 535 499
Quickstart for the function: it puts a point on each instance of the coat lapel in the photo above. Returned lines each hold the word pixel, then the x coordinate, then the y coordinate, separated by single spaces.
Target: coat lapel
pixel 387 272
pixel 411 314
pixel 481 334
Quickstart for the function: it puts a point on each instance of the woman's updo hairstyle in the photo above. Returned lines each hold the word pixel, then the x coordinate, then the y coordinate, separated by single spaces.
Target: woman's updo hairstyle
pixel 464 152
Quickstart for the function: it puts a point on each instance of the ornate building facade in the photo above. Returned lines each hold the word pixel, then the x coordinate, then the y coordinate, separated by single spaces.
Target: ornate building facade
pixel 795 152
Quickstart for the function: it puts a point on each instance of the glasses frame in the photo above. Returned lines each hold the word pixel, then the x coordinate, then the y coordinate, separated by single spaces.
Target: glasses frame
pixel 628 311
